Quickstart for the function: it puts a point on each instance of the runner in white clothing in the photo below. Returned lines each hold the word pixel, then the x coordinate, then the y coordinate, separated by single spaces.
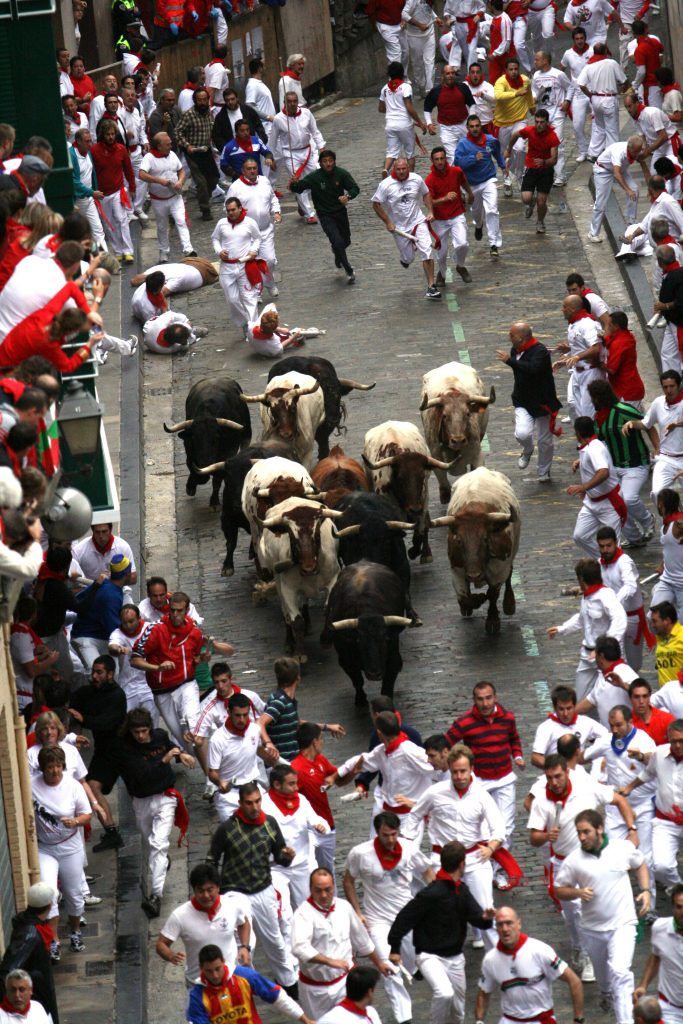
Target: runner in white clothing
pixel 217 79
pixel 156 604
pixel 237 242
pixel 551 89
pixel 573 62
pixel 601 80
pixel 360 992
pixel 661 134
pixel 234 753
pixel 132 681
pixel 638 239
pixel 598 874
pixel 397 204
pixel 296 140
pixel 613 680
pixel 400 117
pixel 663 423
pixel 582 335
pixel 290 79
pixel 591 15
pixel 602 504
pixel 620 574
pixel 665 961
pixel 484 96
pixel 418 18
pixel 614 164
pixel 170 332
pixel 259 96
pixel 562 720
pixel 258 198
pixel 163 172
pixel 670 697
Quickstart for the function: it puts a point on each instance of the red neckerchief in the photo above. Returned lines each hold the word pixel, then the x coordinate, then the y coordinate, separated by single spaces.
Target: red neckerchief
pixel 290 74
pixel 49 574
pixel 387 859
pixel 587 441
pixel 617 555
pixel 518 84
pixel 211 912
pixel 522 937
pixel 7 1006
pixel 554 798
pixel 353 1008
pixel 46 933
pixel 526 346
pixel 553 718
pixel 298 112
pixel 481 141
pixel 214 992
pixel 181 632
pixel 239 220
pixel 600 416
pixel 676 400
pixel 157 154
pixel 107 547
pixel 582 314
pixel 596 57
pixel 246 147
pixel 593 589
pixel 287 804
pixel 232 728
pixel 239 813
pixel 395 743
pixel 611 668
pixel 664 89
pixel 394 83
pixel 189 85
pixel 216 60
pixel 577 50
pixel 321 910
pixel 23 627
pixel 465 790
pixel 158 300
pixel 639 109
pixel 675 517
pixel 671 266
pixel 247 182
pixel 443 876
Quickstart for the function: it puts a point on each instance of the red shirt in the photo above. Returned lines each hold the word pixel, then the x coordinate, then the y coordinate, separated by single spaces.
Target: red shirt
pixel 648 54
pixel 451 105
pixel 30 338
pixel 81 86
pixel 312 775
pixel 539 145
pixel 388 12
pixel 622 368
pixel 439 185
pixel 14 254
pixel 111 164
pixel 658 725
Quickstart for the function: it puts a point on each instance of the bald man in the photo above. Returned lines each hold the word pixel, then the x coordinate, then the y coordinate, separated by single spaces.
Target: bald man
pixel 533 397
pixel 648 1010
pixel 583 353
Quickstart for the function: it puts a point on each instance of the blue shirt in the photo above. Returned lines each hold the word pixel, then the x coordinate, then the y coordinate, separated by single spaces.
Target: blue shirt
pixel 479 171
pixel 98 615
pixel 233 156
pixel 237 1004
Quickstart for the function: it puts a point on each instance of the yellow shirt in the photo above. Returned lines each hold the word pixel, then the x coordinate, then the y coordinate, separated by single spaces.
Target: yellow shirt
pixel 512 105
pixel 669 655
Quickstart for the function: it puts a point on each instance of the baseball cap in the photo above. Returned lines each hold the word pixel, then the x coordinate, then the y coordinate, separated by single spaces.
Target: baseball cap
pixel 40 895
pixel 33 165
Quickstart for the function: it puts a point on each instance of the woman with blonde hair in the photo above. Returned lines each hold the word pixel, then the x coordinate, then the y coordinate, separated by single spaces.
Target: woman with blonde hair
pixel 35 222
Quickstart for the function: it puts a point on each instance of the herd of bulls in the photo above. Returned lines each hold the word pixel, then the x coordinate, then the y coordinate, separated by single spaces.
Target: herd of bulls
pixel 338 527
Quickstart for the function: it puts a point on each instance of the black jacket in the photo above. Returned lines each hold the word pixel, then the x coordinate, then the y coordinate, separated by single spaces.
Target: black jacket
pixel 141 766
pixel 26 951
pixel 55 599
pixel 672 291
pixel 222 132
pixel 438 917
pixel 103 709
pixel 534 388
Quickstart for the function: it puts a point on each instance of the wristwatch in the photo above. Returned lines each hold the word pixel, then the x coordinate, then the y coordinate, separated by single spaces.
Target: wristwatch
pixel 244 945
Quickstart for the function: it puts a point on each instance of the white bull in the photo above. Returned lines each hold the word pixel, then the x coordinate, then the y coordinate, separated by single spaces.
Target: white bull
pixel 299 547
pixel 268 482
pixel 455 415
pixel 292 409
pixel 484 522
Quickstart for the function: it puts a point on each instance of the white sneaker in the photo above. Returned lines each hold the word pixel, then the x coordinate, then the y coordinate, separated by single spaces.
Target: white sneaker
pixel 544 478
pixel 274 292
pixel 142 216
pixel 477 943
pixel 587 974
pixel 524 459
pixel 581 158
pixel 92 901
pixel 595 239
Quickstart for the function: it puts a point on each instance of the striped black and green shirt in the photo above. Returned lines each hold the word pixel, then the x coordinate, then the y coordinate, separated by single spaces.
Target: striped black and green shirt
pixel 627 450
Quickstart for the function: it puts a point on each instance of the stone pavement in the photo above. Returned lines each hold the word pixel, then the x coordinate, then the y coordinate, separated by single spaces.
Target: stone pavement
pixel 382 329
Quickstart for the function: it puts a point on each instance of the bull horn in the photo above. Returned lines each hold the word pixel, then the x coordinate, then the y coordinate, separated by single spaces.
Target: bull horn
pixel 331 513
pixel 345 624
pixel 178 426
pixel 479 400
pixel 261 492
pixel 253 398
pixel 381 464
pixel 448 466
pixel 348 531
pixel 229 423
pixel 283 566
pixel 396 620
pixel 499 517
pixel 271 524
pixel 215 467
pixel 431 404
pixel 442 521
pixel 346 383
pixel 394 524
pixel 306 391
pixel 492 395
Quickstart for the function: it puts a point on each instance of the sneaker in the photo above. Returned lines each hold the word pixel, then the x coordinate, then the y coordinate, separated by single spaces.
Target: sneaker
pixel 440 280
pixel 55 952
pixel 404 265
pixel 528 210
pixel 76 942
pixel 507 190
pixel 587 973
pixel 163 257
pixel 540 228
pixel 543 478
pixel 640 542
pixel 432 292
pixel 274 291
pixel 464 273
pixel 128 257
pixel 111 840
pixel 477 943
pixel 351 278
pixel 142 216
pixel 478 233
pixel 649 533
pixel 95 877
pixel 133 341
pixel 493 251
pixel 595 239
pixel 189 252
pixel 218 193
pixel 152 906
pixel 200 332
pixel 559 182
pixel 92 901
pixel 581 158
pixel 524 459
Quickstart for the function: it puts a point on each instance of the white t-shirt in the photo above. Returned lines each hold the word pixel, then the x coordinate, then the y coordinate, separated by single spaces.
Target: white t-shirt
pixel 586 730
pixel 214 712
pixel 402 200
pixel 151 614
pixel 670 698
pixel 36 1015
pixel 75 768
pixel 259 200
pixel 50 804
pixel 592 16
pixel 259 96
pixel 607 875
pixel 550 88
pixel 621 769
pixel 397 115
pixel 592 457
pixel 234 756
pixel 605 76
pixel 525 980
pixel 156 325
pixel 340 1015
pixel 605 695
pixel 166 167
pixel 574 63
pixel 132 681
pixel 545 813
pixel 297 829
pixel 23 652
pixel 667 943
pixel 385 891
pixel 93 562
pixel 660 415
pixel 672 103
pixel 195 930
pixel 216 78
pixel 34 282
pixel 180 277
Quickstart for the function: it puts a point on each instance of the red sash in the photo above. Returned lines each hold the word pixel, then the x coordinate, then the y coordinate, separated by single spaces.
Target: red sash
pixel 182 818
pixel 616 501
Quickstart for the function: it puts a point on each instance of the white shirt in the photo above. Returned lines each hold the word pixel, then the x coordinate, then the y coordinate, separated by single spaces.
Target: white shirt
pixel 385 892
pixel 50 805
pixel 525 980
pixel 471 818
pixel 605 695
pixel 259 96
pixel 586 730
pixel 420 10
pixel 216 78
pixel 484 100
pixel 574 63
pixel 660 415
pixel 85 167
pixel 298 830
pixel 238 240
pixel 621 769
pixel 605 76
pixel 34 282
pixel 337 934
pixel 66 86
pixel 151 614
pixel 153 327
pixel 180 277
pixel 667 944
pixel 621 576
pixel 96 112
pixel 599 614
pixel 551 89
pixel 132 681
pixel 80 122
pixel 340 1015
pixel 592 457
pixel 195 930
pixel 259 200
pixel 166 167
pixel 672 103
pixel 75 768
pixel 290 134
pixel 669 775
pixel 592 16
pixel 134 123
pixel 670 698
pixel 615 155
pixel 23 652
pixel 36 1015
pixel 215 710
pixel 396 115
pixel 185 101
pixel 581 335
pixel 607 875
pixel 664 207
pixel 288 84
pixel 235 758
pixel 92 562
pixel 586 794
pixel 401 199
pixel 651 121
pixel 405 770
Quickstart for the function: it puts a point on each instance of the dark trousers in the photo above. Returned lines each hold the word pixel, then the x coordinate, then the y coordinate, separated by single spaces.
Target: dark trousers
pixel 204 174
pixel 336 227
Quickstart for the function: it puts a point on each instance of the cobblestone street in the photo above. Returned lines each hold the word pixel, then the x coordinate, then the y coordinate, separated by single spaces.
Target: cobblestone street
pixel 383 330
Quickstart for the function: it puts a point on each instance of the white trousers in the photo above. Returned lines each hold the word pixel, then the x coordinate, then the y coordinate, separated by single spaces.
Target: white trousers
pixel 242 299
pixel 517 155
pixel 632 481
pixel 264 912
pixel 87 207
pixel 528 426
pixel 445 975
pixel 586 674
pixel 325 850
pixel 154 817
pixel 141 187
pixel 519 30
pixel 451 134
pixel 504 797
pixel 316 1000
pixel 485 209
pixel 580 108
pixel 422 245
pixel 604 182
pixel 422 51
pixel 612 956
pixel 267 250
pixel 592 515
pixel 581 400
pixel 293 159
pixel 542 27
pixel 454 229
pixel 670 1014
pixel 663 472
pixel 633 652
pixel 479 879
pixel 670 353
pixel 397 993
pixel 663 591
pixel 174 209
pixel 68 869
pixel 179 710
pixel 666 840
pixel 115 225
pixel 400 142
pixel 605 128
pixel 88 648
pixel 645 816
pixel 296 880
pixel 395 44
pixel 460 31
pixel 557 121
pixel 571 911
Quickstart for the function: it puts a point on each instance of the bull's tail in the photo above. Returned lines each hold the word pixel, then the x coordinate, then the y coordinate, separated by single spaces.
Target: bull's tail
pixel 509 603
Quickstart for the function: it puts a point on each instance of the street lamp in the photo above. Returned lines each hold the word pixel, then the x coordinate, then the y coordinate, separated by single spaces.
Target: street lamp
pixel 79 416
